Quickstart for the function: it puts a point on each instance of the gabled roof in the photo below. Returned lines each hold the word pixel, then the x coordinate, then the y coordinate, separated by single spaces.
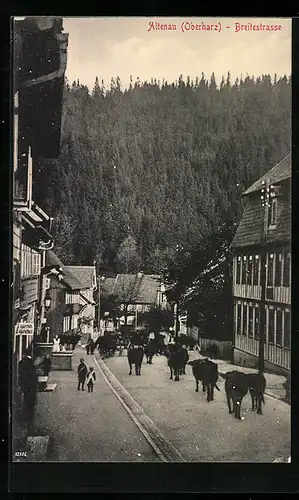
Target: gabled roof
pixel 250 231
pixel 279 173
pixel 84 274
pixel 148 290
pixel 68 278
pixel 53 260
pixel 138 288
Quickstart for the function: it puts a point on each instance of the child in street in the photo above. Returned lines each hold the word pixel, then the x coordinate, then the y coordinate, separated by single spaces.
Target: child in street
pixel 82 372
pixel 90 379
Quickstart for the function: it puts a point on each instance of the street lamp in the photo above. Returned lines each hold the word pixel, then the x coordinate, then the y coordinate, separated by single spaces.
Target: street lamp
pixel 47 301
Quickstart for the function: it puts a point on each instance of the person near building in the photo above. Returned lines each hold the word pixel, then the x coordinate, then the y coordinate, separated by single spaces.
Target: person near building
pixel 82 372
pixel 56 344
pixel 47 364
pixel 28 381
pixel 90 379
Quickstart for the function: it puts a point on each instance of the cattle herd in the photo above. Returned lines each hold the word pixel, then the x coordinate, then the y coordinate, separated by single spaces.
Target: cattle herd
pixel 237 384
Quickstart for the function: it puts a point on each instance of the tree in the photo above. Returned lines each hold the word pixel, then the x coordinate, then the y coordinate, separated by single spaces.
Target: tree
pixel 157 319
pixel 127 259
pixel 110 308
pixel 127 292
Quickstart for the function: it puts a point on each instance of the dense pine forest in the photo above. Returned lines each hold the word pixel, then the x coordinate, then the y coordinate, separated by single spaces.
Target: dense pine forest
pixel 159 166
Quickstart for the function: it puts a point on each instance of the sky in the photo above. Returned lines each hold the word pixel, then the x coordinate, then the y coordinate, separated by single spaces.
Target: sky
pixel 124 46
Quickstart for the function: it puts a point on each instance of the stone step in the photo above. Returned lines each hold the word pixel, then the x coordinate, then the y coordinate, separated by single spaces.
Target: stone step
pixel 50 387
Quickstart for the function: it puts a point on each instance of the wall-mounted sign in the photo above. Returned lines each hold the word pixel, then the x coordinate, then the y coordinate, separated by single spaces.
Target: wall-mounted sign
pixel 25 329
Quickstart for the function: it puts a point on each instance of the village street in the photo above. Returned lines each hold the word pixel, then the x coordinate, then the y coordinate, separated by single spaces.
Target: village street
pixel 97 427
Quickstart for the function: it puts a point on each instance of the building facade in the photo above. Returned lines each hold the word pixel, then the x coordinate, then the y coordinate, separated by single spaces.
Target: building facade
pixel 137 294
pixel 263 238
pixel 86 276
pixel 68 299
pixel 39 50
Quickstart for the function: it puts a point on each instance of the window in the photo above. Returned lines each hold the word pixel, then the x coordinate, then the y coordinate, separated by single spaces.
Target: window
pixel 273 212
pixel 35 263
pixel 74 322
pixel 270 269
pixel 286 269
pixel 271 326
pixel 245 309
pixel 278 269
pixel 249 270
pixel 238 271
pixel 239 319
pixel 250 321
pixel 257 322
pixel 278 327
pixel 256 268
pixel 66 323
pixel 244 270
pixel 287 329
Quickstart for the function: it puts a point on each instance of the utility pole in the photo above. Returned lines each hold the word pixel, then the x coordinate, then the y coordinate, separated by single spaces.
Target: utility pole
pixel 265 200
pixel 176 320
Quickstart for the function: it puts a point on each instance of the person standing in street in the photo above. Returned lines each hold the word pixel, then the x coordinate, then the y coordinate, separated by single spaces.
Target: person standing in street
pixel 56 344
pixel 47 364
pixel 82 372
pixel 28 384
pixel 90 379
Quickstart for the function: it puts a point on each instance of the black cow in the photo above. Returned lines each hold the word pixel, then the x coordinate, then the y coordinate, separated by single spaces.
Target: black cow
pixel 257 386
pixel 236 387
pixel 185 359
pixel 205 371
pixel 149 350
pixel 135 357
pixel 176 361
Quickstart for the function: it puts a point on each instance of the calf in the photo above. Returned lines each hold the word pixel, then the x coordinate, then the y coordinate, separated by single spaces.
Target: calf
pixel 205 371
pixel 257 386
pixel 236 387
pixel 149 351
pixel 135 357
pixel 176 362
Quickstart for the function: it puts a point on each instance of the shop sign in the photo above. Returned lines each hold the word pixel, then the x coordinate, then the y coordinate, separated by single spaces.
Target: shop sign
pixel 25 329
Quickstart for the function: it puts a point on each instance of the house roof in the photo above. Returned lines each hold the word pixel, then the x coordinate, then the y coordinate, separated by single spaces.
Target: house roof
pixel 141 289
pixel 148 290
pixel 279 173
pixel 68 278
pixel 251 227
pixel 84 274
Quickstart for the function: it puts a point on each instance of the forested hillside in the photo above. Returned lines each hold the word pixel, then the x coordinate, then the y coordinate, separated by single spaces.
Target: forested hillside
pixel 158 165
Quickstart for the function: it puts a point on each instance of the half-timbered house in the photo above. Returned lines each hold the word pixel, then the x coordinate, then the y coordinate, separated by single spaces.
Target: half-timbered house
pixel 39 55
pixel 264 236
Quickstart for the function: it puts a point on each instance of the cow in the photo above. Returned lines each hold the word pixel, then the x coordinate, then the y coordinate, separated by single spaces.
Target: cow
pixel 236 387
pixel 185 359
pixel 135 357
pixel 149 350
pixel 205 371
pixel 257 386
pixel 176 361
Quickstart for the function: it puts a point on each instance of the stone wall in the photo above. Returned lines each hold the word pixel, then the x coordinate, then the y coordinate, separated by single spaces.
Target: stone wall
pixel 62 360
